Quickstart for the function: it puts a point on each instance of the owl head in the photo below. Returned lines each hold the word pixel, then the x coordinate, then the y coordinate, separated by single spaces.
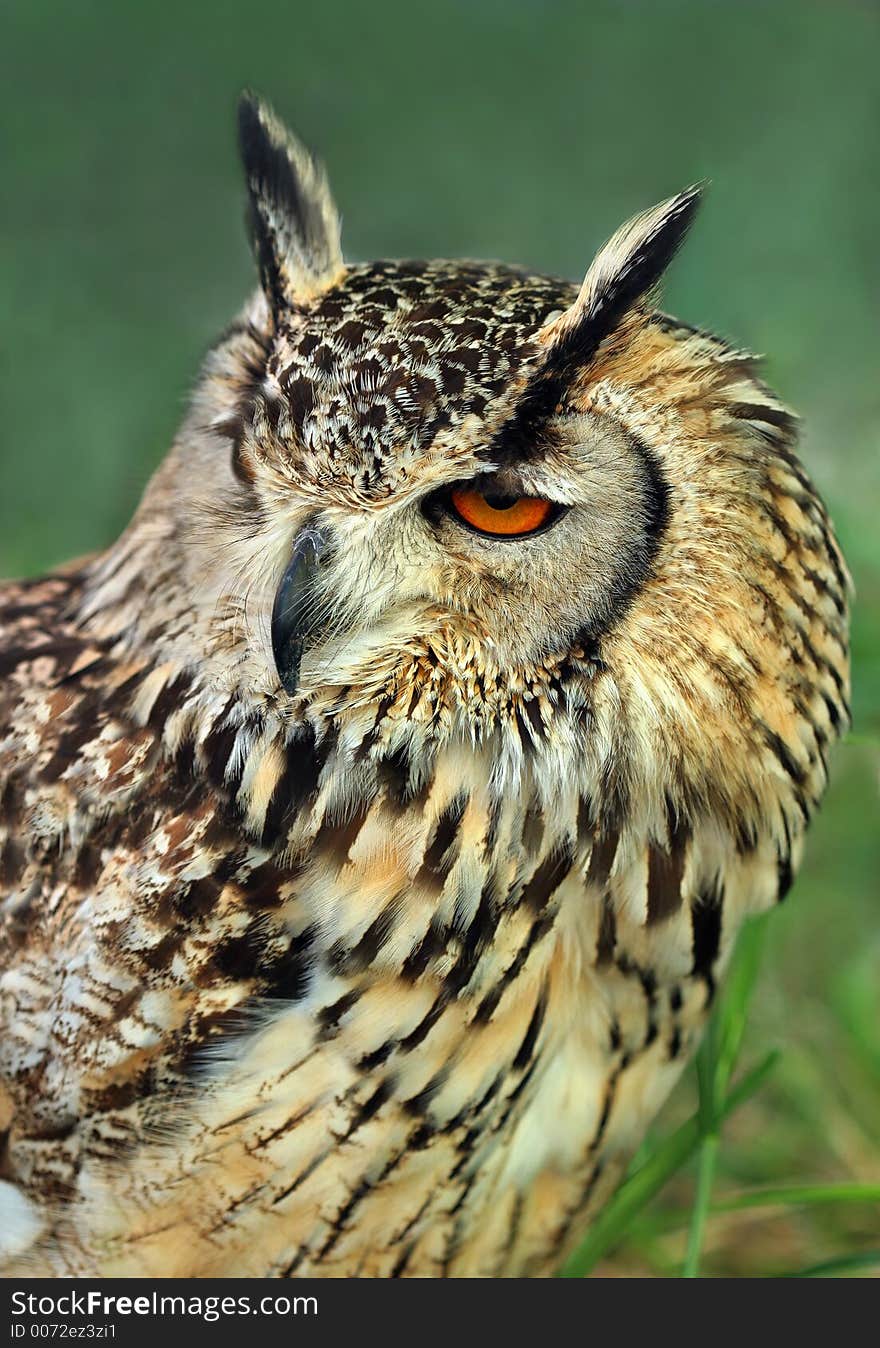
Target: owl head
pixel 435 501
pixel 427 427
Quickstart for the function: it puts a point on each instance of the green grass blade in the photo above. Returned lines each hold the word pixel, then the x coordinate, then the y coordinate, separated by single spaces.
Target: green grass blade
pixel 843 1264
pixel 733 1013
pixel 716 1060
pixel 781 1196
pixel 610 1227
pixel 799 1196
pixel 705 1180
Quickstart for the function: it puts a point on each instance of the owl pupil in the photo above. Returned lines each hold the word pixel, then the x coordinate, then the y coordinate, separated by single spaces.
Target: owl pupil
pixel 500 500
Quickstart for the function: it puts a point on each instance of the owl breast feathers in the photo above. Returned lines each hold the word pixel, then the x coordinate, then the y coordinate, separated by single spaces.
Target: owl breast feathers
pixel 378 813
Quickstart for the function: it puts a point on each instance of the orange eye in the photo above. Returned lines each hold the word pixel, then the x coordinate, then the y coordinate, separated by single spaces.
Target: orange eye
pixel 502 516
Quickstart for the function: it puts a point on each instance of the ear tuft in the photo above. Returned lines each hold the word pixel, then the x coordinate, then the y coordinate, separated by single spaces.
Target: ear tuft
pixel 293 222
pixel 622 273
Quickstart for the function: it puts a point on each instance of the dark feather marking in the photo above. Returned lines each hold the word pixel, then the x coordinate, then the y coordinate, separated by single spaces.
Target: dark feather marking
pixel 602 860
pixel 296 784
pixel 377 1057
pixel 774 416
pixel 246 957
pixel 218 745
pixel 608 1099
pixel 337 839
pixel 538 892
pixel 586 822
pixel 290 1268
pixel 285 975
pixel 13 861
pixel 190 1057
pixel 648 980
pixel 665 873
pixel 431 946
pixel 496 807
pixel 359 958
pixel 250 728
pixel 411 1224
pixel 454 1237
pixel 301 1177
pixel 417 1105
pixel 344 1215
pixel 837 680
pixel 706 928
pixel 783 755
pixel 12 799
pixel 436 861
pixel 394 774
pixel 201 896
pixel 465 1147
pixel 476 939
pixel 261 887
pixel 471 1112
pixel 515 1095
pixel 330 1016
pixel 486 1009
pixel 120 1095
pixel 533 712
pixel 305 759
pixel 13 656
pixel 425 1025
pixel 745 833
pixel 171 696
pixel 820 584
pixel 526 1049
pixel 521 728
pixel 402 1260
pixel 160 955
pixel 287 1126
pixel 607 937
pixel 369 1108
pixel 278 812
pixel 421 1136
pixel 533 830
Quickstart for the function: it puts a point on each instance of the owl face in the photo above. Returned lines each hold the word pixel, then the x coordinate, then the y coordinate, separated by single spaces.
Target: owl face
pixel 421 436
pixel 383 430
pixel 424 504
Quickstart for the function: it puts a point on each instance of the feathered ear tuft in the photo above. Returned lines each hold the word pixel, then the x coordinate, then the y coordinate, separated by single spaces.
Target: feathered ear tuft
pixel 623 271
pixel 293 222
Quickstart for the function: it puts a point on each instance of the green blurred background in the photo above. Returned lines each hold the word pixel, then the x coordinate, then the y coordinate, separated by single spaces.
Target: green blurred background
pixel 524 130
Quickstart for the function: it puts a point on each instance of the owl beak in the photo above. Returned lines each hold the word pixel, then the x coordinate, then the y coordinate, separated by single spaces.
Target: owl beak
pixel 294 617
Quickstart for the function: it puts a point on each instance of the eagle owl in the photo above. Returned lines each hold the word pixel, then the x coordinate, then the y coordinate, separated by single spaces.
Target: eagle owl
pixel 378 813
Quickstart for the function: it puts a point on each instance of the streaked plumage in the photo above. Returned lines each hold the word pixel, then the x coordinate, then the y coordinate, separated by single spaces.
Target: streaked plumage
pixel 365 880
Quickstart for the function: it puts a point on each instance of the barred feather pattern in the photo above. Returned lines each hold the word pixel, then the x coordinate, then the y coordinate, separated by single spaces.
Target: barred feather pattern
pixel 388 978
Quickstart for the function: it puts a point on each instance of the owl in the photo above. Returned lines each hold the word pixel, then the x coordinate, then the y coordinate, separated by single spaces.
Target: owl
pixel 378 813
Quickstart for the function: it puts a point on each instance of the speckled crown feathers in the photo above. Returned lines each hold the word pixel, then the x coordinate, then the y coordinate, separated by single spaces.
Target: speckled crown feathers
pixel 392 353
